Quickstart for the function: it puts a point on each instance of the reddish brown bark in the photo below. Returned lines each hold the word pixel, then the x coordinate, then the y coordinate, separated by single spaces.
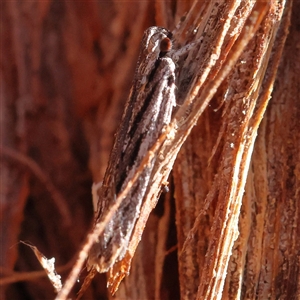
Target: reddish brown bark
pixel 66 73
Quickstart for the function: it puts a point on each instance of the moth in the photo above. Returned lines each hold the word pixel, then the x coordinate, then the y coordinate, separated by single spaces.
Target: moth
pixel 148 109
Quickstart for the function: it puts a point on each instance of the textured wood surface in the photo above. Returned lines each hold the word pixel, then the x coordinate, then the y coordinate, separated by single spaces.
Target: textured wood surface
pixel 229 226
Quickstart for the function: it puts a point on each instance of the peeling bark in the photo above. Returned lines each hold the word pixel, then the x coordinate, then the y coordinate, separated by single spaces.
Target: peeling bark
pixel 232 229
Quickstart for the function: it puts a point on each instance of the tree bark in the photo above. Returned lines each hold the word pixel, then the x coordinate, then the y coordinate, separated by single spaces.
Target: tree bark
pixel 229 226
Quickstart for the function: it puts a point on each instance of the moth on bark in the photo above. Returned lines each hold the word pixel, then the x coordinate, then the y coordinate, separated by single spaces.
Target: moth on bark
pixel 148 110
pixel 140 162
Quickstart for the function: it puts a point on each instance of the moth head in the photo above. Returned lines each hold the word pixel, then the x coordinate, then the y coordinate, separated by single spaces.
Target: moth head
pixel 157 39
pixel 155 44
pixel 165 46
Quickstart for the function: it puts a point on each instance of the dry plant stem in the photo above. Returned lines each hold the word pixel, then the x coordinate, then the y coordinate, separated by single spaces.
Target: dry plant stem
pixel 240 161
pixel 248 32
pixel 209 198
pixel 273 268
pixel 260 232
pixel 48 266
pixel 231 59
pixel 223 240
pixel 255 122
pixel 261 107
